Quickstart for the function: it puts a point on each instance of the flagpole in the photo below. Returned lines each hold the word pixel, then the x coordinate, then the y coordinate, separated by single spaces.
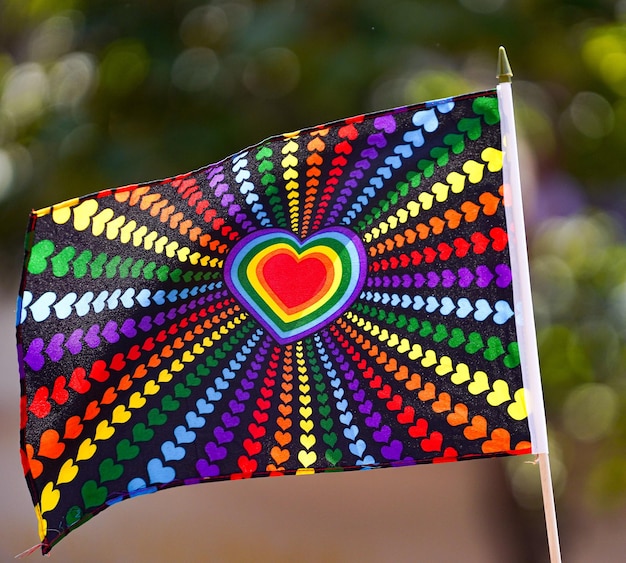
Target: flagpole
pixel 529 355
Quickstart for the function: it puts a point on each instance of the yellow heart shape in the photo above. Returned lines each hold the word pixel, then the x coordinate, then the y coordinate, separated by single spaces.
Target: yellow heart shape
pixel 307 458
pixel 120 415
pixel 49 498
pixel 86 450
pixel 500 393
pixel 103 431
pixel 479 384
pixel 136 401
pixel 461 374
pixel 68 472
pixel 517 410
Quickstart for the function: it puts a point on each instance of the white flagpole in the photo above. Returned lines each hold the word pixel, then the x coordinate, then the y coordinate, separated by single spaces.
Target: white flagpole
pixel 525 321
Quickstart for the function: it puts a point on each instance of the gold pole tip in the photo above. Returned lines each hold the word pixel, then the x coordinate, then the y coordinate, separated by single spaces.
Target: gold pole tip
pixel 505 74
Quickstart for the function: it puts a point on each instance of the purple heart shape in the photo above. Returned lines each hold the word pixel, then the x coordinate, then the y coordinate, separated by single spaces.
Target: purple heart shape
pixel 433 279
pixel 74 344
pixel 242 395
pixel 91 338
pixel 207 470
pixel 385 122
pixel 159 319
pixel 109 332
pixel 229 420
pixel 374 420
pixel 236 407
pixel 366 407
pixel 393 451
pixel 465 277
pixel 223 436
pixel 383 434
pixel 145 324
pixel 33 357
pixel 484 276
pixel 448 278
pixel 214 451
pixel 55 347
pixel 504 275
pixel 370 153
pixel 128 328
pixel 377 139
pixel 359 395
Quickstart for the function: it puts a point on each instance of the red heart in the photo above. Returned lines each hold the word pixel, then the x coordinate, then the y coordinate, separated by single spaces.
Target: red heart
pixel 406 416
pixel 462 247
pixel 480 242
pixel 294 282
pixel 99 371
pixel 348 131
pixel 247 465
pixel 385 392
pixel 40 406
pixel 117 363
pixel 256 431
pixel 500 238
pixel 78 381
pixel 395 404
pixel 59 393
pixel 445 250
pixel 251 446
pixel 433 442
pixel 419 429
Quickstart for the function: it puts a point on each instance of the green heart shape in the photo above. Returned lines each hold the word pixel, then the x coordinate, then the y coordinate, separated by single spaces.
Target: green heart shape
pixel 475 343
pixel 141 433
pixel 441 333
pixel 511 360
pixel 264 152
pixel 126 451
pixel 471 126
pixel 156 417
pixel 426 330
pixel 181 392
pixel 168 403
pixel 488 108
pixel 109 470
pixel 333 456
pixel 92 494
pixel 61 262
pixel 458 338
pixel 330 439
pixel 494 348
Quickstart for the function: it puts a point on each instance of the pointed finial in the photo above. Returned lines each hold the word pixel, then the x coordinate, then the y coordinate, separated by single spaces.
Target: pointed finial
pixel 505 74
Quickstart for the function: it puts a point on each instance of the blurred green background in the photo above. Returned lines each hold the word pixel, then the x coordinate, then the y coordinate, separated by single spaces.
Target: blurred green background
pixel 96 94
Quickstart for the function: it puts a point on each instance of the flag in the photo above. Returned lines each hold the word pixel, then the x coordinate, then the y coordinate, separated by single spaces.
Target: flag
pixel 337 298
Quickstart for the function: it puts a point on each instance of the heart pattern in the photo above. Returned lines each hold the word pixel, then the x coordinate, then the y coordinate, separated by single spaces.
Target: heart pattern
pixel 335 299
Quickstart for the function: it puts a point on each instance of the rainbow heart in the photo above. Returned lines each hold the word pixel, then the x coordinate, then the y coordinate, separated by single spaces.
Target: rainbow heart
pixel 293 287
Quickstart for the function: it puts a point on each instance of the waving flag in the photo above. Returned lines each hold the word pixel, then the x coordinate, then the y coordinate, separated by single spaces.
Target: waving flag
pixel 337 298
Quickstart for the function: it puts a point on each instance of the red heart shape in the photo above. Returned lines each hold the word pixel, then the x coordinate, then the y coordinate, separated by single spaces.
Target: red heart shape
pixel 40 406
pixel 99 371
pixel 294 282
pixel 59 393
pixel 78 381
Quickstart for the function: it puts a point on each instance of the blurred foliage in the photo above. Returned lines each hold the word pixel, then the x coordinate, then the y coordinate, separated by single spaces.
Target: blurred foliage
pixel 105 93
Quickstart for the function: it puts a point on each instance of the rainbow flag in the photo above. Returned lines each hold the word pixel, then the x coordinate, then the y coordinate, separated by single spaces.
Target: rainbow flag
pixel 338 298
